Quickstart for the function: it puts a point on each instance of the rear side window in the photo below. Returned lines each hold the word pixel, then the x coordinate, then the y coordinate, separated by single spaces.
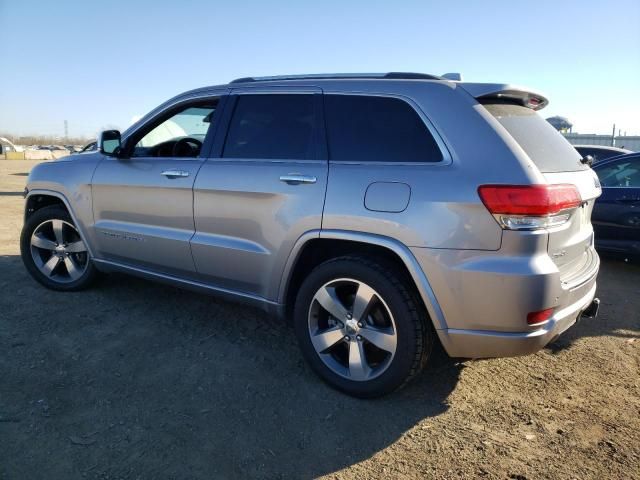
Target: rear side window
pixel 544 145
pixel 621 174
pixel 272 126
pixel 377 129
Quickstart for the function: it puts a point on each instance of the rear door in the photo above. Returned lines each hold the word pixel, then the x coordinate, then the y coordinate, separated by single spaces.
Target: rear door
pixel 616 216
pixel 570 244
pixel 261 189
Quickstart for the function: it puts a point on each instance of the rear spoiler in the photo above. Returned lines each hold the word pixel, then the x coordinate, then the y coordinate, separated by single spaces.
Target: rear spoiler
pixel 486 92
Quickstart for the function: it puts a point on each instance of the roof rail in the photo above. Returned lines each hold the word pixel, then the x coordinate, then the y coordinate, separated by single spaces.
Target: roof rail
pixel 328 76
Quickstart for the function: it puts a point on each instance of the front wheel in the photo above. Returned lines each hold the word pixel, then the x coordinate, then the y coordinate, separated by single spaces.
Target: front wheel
pixel 53 251
pixel 361 327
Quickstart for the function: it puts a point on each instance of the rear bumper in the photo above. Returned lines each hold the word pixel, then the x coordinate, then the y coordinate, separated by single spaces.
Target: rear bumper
pixel 486 344
pixel 485 297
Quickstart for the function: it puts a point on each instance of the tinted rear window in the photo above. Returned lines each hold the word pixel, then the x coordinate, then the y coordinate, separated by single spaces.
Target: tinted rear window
pixel 377 129
pixel 544 145
pixel 272 126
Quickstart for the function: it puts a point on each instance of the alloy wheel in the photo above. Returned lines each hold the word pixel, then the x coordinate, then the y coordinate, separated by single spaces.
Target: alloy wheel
pixel 352 329
pixel 58 251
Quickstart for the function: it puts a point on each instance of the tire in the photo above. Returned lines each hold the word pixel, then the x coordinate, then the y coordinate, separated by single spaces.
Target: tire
pixel 334 347
pixel 53 252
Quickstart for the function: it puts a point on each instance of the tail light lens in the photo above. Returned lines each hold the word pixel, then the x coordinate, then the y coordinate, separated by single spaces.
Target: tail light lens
pixel 529 207
pixel 536 318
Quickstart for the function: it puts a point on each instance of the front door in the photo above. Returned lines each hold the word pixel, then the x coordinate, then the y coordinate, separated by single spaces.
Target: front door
pixel 143 203
pixel 262 188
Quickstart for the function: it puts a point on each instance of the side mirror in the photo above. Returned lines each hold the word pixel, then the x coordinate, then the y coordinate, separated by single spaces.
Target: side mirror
pixel 109 142
pixel 587 160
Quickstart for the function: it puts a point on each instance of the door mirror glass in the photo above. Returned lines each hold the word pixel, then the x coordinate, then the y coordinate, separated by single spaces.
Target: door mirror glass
pixel 109 142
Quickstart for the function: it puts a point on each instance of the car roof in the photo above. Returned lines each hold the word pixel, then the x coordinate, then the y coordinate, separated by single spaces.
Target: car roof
pixel 479 90
pixel 483 92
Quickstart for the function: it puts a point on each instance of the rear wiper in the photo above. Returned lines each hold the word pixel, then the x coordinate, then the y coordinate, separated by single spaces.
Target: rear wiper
pixel 587 160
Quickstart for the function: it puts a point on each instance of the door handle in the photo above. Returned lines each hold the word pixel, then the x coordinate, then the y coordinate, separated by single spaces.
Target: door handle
pixel 175 173
pixel 297 179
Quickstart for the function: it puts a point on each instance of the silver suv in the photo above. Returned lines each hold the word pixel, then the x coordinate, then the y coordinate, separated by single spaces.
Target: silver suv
pixel 377 212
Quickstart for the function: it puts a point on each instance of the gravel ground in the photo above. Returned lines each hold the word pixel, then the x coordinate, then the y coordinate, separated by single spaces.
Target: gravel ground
pixel 138 380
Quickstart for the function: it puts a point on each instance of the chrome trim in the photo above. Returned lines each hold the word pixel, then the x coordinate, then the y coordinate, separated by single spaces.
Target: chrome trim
pixel 296 179
pixel 175 173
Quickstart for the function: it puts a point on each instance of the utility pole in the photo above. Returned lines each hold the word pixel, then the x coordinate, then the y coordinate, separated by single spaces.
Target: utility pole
pixel 66 130
pixel 613 136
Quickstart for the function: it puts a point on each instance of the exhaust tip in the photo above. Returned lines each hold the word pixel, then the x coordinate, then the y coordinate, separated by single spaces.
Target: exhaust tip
pixel 592 310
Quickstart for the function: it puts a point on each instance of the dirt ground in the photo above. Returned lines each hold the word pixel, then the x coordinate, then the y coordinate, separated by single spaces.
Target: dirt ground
pixel 138 380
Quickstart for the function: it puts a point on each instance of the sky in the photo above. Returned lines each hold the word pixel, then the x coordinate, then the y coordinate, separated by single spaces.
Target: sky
pixel 100 64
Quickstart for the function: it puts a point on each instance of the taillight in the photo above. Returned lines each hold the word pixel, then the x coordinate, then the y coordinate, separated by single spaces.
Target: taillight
pixel 528 207
pixel 536 318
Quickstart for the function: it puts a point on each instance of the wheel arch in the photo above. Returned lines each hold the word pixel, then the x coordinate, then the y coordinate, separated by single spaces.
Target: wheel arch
pixel 38 199
pixel 315 247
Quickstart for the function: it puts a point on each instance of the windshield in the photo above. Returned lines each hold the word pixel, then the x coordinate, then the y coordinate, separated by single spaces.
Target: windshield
pixel 544 145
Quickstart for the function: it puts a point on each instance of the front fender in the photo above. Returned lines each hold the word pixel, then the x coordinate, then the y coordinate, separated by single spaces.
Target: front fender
pixel 70 182
pixel 82 229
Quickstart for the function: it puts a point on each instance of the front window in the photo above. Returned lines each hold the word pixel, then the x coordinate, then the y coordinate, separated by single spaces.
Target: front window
pixel 181 135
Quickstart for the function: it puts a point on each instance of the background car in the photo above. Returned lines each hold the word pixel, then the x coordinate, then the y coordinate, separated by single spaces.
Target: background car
pixel 600 152
pixel 616 214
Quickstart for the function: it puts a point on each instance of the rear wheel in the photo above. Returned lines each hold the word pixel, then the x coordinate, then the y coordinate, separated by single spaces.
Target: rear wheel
pixel 360 327
pixel 53 251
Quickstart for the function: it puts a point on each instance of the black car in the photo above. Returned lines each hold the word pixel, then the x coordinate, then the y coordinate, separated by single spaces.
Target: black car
pixel 616 214
pixel 600 152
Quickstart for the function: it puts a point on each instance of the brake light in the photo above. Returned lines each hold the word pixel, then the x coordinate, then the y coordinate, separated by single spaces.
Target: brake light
pixel 530 206
pixel 534 103
pixel 536 318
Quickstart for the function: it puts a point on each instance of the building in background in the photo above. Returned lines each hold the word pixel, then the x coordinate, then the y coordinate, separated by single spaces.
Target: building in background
pixel 630 142
pixel 564 126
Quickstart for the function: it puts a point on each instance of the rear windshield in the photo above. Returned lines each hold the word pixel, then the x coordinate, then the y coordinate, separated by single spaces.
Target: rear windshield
pixel 544 145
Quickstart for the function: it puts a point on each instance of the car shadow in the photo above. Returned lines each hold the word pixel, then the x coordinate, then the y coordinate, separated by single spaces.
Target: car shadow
pixel 611 320
pixel 160 382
